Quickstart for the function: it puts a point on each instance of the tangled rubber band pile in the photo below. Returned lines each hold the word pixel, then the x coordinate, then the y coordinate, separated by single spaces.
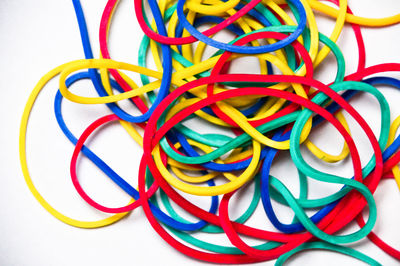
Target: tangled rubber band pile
pixel 268 113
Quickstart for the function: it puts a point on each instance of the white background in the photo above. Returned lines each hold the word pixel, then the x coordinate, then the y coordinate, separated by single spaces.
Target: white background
pixel 39 35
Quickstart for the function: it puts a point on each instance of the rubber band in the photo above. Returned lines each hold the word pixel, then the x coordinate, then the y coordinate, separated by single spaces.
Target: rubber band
pixel 266 114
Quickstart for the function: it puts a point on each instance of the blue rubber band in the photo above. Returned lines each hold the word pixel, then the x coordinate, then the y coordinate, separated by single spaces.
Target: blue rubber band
pixel 241 49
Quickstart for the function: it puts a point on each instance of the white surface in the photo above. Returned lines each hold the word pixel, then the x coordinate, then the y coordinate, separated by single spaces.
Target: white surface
pixel 39 35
